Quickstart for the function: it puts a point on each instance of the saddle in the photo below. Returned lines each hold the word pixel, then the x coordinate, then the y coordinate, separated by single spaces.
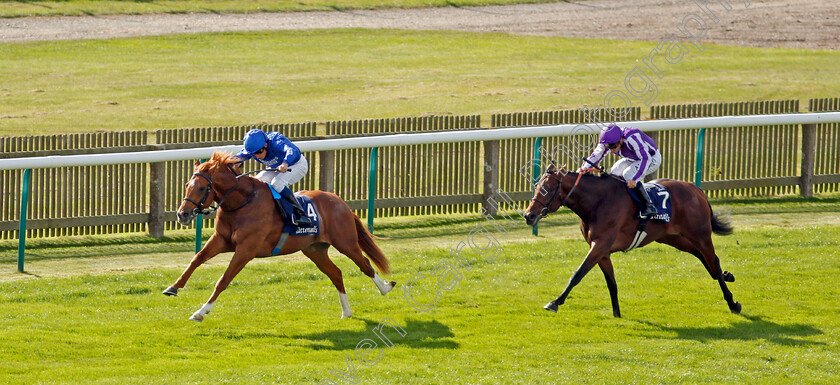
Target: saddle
pixel 661 199
pixel 287 211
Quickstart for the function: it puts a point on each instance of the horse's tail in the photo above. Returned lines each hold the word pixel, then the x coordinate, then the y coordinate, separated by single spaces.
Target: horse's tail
pixel 370 248
pixel 720 226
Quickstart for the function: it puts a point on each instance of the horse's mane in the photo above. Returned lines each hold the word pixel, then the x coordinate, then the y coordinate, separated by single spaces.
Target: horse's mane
pixel 601 176
pixel 218 160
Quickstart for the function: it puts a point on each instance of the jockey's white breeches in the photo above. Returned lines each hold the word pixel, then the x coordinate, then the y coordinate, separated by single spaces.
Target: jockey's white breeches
pixel 627 168
pixel 281 180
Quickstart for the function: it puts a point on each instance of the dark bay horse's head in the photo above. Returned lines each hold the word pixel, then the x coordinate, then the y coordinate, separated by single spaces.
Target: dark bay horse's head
pixel 546 198
pixel 204 186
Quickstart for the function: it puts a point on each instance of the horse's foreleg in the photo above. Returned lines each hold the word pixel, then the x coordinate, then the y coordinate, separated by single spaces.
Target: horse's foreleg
pixel 596 252
pixel 240 259
pixel 214 246
pixel 606 267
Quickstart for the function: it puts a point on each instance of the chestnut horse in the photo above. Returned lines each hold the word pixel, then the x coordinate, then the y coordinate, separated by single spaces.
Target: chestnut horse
pixel 609 223
pixel 249 225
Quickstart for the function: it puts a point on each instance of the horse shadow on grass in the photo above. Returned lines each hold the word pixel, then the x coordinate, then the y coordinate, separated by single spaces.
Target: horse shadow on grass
pixel 418 334
pixel 751 328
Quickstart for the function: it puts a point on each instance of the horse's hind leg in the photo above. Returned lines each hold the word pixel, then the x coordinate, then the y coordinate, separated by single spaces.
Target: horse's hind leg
pixel 683 244
pixel 318 254
pixel 704 249
pixel 354 252
pixel 711 258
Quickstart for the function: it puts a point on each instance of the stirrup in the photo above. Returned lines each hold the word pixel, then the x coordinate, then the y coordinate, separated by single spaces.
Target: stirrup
pixel 303 219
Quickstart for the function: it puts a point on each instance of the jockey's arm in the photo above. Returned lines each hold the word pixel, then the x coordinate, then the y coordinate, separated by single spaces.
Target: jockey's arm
pixel 242 156
pixel 593 160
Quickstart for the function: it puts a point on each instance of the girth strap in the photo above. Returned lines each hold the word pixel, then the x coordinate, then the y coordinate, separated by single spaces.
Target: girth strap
pixel 640 234
pixel 282 242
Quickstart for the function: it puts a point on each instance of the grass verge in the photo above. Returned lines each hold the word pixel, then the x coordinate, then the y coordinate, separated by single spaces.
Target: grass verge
pixel 225 79
pixel 278 322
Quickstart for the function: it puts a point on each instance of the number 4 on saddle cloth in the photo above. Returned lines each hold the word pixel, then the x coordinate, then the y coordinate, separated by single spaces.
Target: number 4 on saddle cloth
pixel 661 199
pixel 288 227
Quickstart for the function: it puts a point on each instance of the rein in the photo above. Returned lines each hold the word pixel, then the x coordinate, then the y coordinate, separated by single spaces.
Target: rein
pixel 210 209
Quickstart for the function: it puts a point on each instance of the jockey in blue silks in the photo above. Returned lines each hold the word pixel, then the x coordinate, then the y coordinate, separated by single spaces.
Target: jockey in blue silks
pixel 639 154
pixel 276 151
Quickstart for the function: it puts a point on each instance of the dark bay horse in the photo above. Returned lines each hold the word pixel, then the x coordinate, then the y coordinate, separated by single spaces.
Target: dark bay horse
pixel 608 222
pixel 249 225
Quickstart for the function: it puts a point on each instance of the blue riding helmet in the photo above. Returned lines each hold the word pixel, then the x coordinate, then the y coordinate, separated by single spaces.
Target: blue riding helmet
pixel 254 141
pixel 611 134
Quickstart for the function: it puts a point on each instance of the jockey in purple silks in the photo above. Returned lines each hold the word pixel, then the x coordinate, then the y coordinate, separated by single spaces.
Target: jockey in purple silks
pixel 639 154
pixel 276 151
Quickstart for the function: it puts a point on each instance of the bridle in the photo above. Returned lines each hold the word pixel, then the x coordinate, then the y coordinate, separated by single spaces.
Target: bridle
pixel 210 209
pixel 557 192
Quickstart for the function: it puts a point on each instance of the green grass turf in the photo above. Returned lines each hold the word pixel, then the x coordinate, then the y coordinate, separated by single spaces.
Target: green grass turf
pixel 229 79
pixel 278 322
pixel 19 8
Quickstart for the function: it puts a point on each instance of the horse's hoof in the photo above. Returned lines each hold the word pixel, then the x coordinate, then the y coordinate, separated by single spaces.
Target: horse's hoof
pixel 551 307
pixel 728 277
pixel 736 308
pixel 197 318
pixel 343 316
pixel 388 287
pixel 171 291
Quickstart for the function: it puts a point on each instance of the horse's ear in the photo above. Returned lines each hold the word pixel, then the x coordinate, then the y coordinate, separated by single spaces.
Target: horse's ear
pixel 238 167
pixel 551 168
pixel 563 169
pixel 197 163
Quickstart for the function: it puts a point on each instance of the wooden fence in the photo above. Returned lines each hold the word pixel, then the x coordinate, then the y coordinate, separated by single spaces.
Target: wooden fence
pixel 76 200
pixel 411 180
pixel 826 143
pixel 738 161
pixel 516 156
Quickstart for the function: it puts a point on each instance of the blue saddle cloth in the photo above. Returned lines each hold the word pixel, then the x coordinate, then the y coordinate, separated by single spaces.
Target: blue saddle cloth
pixel 661 199
pixel 308 207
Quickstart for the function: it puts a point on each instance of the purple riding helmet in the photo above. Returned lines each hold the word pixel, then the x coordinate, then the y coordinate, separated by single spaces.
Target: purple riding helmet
pixel 611 134
pixel 254 141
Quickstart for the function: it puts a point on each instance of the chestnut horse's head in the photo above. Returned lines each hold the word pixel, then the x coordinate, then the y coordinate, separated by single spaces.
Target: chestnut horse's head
pixel 203 187
pixel 546 198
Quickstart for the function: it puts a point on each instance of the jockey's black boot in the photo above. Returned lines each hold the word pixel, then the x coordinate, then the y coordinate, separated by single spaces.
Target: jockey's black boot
pixel 302 217
pixel 648 209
